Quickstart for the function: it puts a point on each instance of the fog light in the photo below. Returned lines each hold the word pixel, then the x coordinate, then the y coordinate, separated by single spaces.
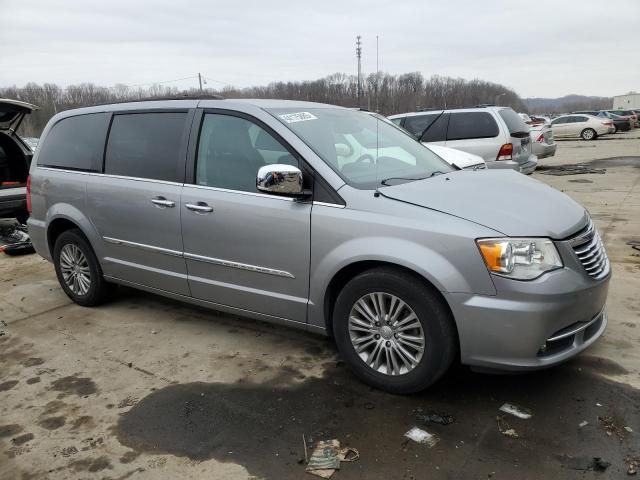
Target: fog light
pixel 543 348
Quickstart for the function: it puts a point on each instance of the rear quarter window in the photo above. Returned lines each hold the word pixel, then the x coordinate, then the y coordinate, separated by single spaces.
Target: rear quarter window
pixel 467 125
pixel 417 124
pixel 146 145
pixel 76 143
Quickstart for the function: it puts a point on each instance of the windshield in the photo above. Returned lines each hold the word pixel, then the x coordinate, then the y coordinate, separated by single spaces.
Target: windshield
pixel 365 151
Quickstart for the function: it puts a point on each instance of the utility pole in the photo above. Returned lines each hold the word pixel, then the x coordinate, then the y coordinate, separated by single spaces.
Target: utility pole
pixel 200 81
pixel 359 55
pixel 377 73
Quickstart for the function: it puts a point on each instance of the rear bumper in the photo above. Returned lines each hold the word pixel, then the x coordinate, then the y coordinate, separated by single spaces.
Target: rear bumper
pixel 531 325
pixel 38 235
pixel 503 165
pixel 530 165
pixel 545 150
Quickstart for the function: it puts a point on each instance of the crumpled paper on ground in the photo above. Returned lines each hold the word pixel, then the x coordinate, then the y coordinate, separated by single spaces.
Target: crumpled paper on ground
pixel 327 456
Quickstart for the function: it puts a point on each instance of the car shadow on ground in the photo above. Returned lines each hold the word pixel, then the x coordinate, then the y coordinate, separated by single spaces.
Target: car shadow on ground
pixel 261 425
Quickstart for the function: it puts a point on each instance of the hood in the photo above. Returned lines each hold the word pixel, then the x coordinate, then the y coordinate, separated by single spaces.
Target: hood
pixel 456 157
pixel 503 200
pixel 12 112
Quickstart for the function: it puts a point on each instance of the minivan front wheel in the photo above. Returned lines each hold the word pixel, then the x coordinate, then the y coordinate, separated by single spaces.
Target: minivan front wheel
pixel 392 331
pixel 588 134
pixel 78 270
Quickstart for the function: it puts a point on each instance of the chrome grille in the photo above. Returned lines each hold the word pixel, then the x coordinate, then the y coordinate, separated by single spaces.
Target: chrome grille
pixel 589 249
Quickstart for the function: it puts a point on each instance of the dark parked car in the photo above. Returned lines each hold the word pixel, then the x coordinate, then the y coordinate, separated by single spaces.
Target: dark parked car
pixel 620 124
pixel 15 159
pixel 633 116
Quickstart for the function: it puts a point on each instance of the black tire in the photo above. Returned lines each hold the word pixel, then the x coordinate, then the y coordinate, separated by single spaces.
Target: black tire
pixel 99 290
pixel 615 129
pixel 588 134
pixel 22 217
pixel 440 336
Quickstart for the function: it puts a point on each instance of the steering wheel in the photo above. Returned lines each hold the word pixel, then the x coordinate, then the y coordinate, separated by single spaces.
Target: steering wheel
pixel 365 158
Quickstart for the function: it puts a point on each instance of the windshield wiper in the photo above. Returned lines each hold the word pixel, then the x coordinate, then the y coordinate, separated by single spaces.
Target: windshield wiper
pixel 410 179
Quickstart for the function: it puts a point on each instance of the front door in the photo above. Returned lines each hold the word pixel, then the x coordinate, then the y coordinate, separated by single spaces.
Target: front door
pixel 244 249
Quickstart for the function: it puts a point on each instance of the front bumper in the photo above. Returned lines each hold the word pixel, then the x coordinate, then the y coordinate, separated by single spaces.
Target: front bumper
pixel 534 324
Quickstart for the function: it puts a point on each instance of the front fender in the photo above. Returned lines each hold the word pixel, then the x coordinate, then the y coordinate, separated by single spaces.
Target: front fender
pixel 434 266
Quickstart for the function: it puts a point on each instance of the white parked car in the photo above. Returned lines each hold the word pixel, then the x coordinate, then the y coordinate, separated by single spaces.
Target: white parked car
pixel 585 126
pixel 457 158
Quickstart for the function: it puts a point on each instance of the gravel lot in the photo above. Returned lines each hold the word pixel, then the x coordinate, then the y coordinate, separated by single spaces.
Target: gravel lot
pixel 150 388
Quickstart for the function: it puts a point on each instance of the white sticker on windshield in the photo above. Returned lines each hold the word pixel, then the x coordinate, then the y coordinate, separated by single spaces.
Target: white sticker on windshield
pixel 298 117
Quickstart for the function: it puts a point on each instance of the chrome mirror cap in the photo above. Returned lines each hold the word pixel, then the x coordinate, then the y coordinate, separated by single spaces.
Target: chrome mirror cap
pixel 280 179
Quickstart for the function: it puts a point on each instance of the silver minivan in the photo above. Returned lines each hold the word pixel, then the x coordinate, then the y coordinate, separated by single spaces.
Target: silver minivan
pixel 497 134
pixel 253 207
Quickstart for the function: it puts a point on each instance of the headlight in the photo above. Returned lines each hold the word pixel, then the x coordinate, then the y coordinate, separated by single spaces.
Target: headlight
pixel 519 258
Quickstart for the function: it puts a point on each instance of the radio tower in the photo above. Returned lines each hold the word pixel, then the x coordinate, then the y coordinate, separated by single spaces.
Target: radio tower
pixel 359 55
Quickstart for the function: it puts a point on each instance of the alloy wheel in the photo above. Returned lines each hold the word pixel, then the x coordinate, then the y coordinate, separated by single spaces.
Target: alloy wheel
pixel 75 269
pixel 386 333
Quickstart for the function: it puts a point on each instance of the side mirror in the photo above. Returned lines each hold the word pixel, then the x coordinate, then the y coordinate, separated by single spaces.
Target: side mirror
pixel 281 180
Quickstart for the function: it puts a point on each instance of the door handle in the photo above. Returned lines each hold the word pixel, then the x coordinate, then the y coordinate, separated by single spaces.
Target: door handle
pixel 200 207
pixel 163 202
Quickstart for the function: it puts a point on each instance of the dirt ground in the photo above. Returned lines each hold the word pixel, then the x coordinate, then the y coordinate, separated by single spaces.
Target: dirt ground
pixel 148 388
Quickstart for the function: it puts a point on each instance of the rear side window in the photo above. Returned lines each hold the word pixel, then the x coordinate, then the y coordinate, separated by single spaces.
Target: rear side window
pixel 437 131
pixel 416 124
pixel 578 119
pixel 146 145
pixel 466 125
pixel 560 121
pixel 76 143
pixel 514 122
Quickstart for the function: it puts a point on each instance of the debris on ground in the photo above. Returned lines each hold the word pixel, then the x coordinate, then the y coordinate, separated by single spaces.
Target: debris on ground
pixel 327 456
pixel 505 428
pixel 611 428
pixel 635 244
pixel 14 240
pixel 434 417
pixel 523 413
pixel 576 169
pixel 422 436
pixel 628 429
pixel 584 423
pixel 633 463
pixel 595 464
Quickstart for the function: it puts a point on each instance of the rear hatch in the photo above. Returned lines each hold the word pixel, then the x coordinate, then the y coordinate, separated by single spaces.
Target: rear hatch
pixel 519 135
pixel 15 155
pixel 12 112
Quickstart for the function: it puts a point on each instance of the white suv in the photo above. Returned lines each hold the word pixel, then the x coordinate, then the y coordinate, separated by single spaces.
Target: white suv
pixel 497 134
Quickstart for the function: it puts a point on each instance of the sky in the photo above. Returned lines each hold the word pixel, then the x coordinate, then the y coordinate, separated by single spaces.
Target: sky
pixel 538 48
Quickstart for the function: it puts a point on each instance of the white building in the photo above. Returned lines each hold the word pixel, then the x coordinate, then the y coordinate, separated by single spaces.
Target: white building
pixel 629 101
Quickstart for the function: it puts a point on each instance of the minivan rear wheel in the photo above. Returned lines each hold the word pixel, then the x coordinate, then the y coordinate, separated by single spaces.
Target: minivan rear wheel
pixel 589 134
pixel 78 270
pixel 392 331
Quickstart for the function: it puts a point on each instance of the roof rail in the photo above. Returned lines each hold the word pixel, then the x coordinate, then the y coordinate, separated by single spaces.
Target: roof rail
pixel 428 109
pixel 169 97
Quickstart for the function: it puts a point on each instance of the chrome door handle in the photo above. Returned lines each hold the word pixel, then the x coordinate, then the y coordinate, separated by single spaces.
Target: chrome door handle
pixel 199 207
pixel 163 202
